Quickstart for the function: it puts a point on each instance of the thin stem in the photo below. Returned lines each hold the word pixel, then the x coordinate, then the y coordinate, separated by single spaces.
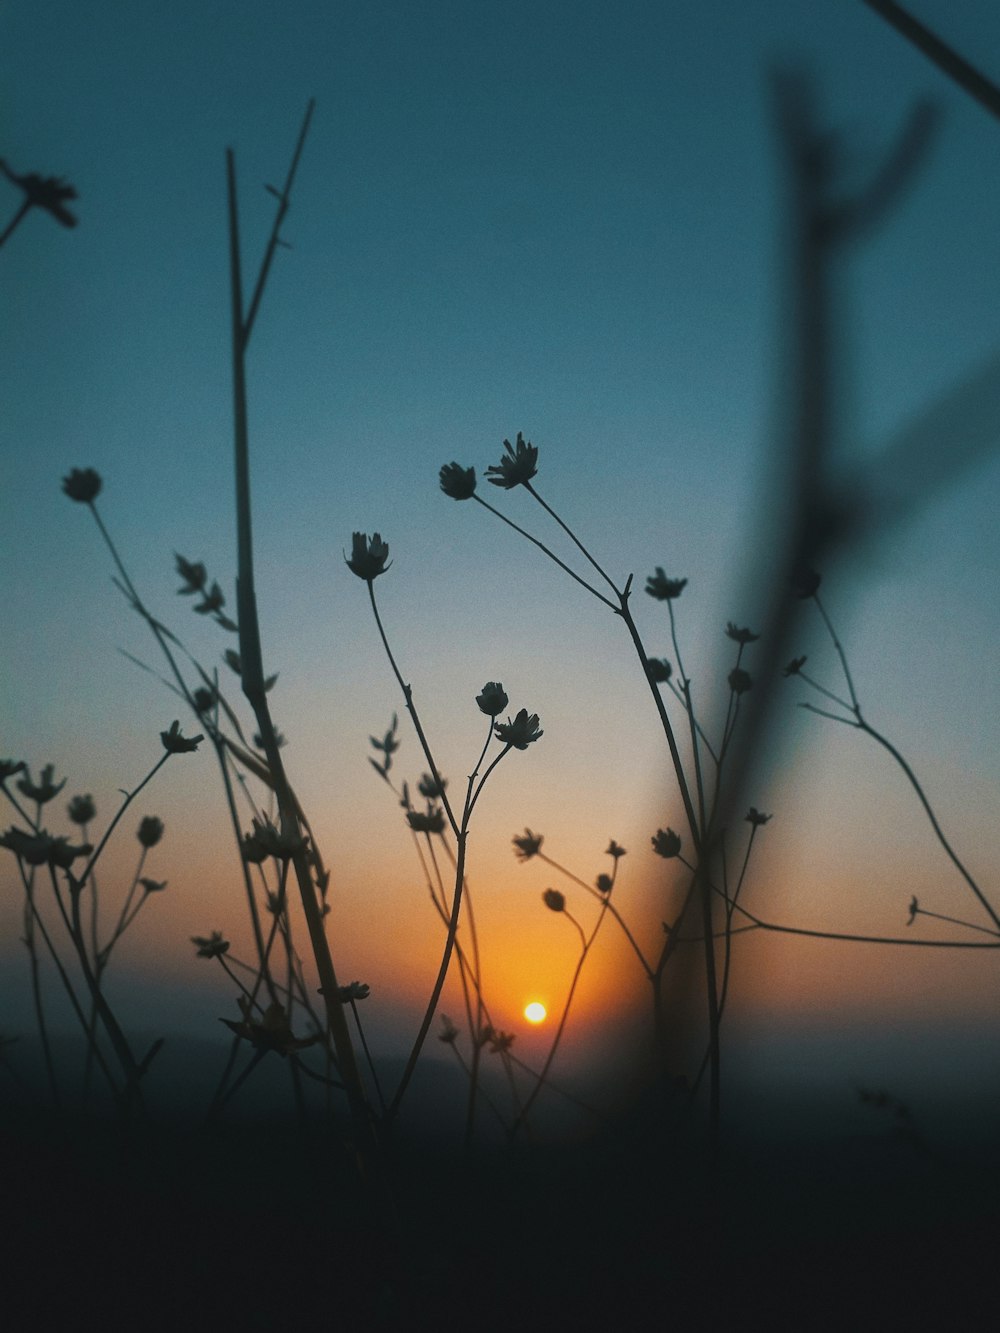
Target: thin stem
pixel 284 199
pixel 840 652
pixel 692 723
pixel 938 831
pixel 953 920
pixel 572 536
pixel 545 550
pixel 411 709
pixel 542 1076
pixel 595 893
pixel 947 60
pixel 16 220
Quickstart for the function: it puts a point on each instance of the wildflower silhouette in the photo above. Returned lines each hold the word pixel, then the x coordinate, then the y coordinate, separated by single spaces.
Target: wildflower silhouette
pixel 662 588
pixel 44 790
pixel 150 830
pixel 527 844
pixel 210 946
pixel 82 485
pixel 516 467
pixel 458 482
pixel 521 732
pixel 493 699
pixel 174 742
pixel 666 843
pixel 81 809
pixel 49 193
pixel 368 556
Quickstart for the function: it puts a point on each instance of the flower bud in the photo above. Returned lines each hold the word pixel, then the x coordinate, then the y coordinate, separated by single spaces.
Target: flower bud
pixel 82 485
pixel 493 699
pixel 150 831
pixel 368 556
pixel 554 900
pixel 81 809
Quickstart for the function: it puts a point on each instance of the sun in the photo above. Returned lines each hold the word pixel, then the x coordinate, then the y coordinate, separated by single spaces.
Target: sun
pixel 535 1012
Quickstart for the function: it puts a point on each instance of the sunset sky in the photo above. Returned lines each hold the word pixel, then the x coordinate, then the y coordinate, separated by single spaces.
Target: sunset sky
pixel 564 219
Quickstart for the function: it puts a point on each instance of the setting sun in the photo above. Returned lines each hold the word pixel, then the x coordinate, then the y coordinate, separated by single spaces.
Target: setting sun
pixel 535 1012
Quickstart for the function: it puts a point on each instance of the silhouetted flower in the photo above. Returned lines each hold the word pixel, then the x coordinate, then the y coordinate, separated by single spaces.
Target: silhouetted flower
pixel 662 588
pixel 32 848
pixel 614 850
pixel 457 482
pixel 194 574
pixel 150 830
pixel 258 740
pixel 270 841
pixel 605 883
pixel 448 1031
pixel 45 789
pixel 9 767
pixel 516 467
pixel 38 849
pixel 741 636
pixel 658 669
pixel 272 1032
pixel 175 743
pixel 431 822
pixel 368 556
pixel 739 680
pixel 82 485
pixel 666 843
pixel 914 909
pixel 806 583
pixel 354 990
pixel 795 666
pixel 153 885
pixel 493 698
pixel 430 787
pixel 554 900
pixel 527 844
pixel 48 193
pixel 62 854
pixel 499 1042
pixel 211 946
pixel 81 809
pixel 521 732
pixel 753 816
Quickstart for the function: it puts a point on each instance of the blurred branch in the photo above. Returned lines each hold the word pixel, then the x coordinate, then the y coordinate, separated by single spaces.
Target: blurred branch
pixel 945 57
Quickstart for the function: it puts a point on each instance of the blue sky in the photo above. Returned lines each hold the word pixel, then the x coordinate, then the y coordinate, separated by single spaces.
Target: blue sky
pixel 564 219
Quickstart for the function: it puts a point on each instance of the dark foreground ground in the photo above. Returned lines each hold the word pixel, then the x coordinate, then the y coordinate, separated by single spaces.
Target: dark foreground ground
pixel 256 1224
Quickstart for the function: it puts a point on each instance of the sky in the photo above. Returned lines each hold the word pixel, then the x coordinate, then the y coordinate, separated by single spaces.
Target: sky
pixel 561 219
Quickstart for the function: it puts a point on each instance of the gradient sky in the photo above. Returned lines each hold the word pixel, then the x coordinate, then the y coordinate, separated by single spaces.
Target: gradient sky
pixel 564 219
